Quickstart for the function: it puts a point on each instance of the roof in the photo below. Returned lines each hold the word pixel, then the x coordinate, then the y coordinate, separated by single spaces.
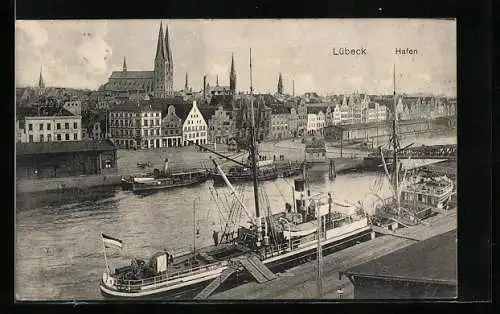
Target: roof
pixel 45 111
pixel 432 261
pixel 37 148
pixel 132 75
pixel 207 111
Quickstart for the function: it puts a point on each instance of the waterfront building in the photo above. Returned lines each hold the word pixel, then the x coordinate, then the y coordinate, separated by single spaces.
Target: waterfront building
pixel 302 121
pixel 424 270
pixel 194 127
pixel 280 117
pixel 47 124
pixel 315 118
pixel 171 128
pixel 135 125
pixel 158 82
pixel 346 112
pixel 42 160
pixel 220 123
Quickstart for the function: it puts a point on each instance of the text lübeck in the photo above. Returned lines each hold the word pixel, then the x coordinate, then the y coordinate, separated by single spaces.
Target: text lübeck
pixel 349 51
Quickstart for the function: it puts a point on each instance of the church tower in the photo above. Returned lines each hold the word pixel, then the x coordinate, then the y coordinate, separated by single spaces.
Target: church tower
pixel 232 77
pixel 124 65
pixel 41 83
pixel 163 66
pixel 280 85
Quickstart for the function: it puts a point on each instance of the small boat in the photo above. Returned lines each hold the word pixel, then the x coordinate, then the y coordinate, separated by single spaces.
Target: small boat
pixel 143 165
pixel 170 180
pixel 165 179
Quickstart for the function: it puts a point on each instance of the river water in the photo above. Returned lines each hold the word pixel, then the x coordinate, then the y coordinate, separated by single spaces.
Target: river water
pixel 59 251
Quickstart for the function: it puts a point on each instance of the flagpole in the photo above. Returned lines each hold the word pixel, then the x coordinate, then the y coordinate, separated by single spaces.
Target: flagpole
pixel 105 257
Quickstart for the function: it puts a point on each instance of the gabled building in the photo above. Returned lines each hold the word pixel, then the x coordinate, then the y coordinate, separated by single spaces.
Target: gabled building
pixel 194 127
pixel 220 122
pixel 171 128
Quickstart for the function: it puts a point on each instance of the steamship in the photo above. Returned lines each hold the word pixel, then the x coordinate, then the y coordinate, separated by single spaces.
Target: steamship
pixel 165 179
pixel 267 242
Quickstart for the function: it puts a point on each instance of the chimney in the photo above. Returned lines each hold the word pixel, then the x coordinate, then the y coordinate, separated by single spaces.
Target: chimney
pixel 204 86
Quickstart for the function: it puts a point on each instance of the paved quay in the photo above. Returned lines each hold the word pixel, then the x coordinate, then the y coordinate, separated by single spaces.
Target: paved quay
pixel 300 282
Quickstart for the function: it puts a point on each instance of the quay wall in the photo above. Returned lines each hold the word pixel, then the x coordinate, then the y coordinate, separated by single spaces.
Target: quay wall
pixel 65 183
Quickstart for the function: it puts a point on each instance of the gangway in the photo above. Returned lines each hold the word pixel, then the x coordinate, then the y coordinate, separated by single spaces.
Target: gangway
pixel 257 269
pixel 205 293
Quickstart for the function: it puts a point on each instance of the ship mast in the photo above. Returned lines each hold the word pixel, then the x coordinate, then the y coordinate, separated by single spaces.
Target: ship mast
pixel 253 161
pixel 395 145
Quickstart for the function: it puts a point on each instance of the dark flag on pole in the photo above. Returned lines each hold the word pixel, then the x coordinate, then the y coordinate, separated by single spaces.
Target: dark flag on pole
pixel 111 242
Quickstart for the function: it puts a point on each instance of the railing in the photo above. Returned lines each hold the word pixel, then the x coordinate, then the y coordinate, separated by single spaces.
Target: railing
pixel 135 284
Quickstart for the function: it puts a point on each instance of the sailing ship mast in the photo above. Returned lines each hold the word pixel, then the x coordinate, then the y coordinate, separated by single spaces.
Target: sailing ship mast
pixel 395 146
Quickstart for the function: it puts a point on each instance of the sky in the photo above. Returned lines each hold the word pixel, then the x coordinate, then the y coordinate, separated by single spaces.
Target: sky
pixel 83 53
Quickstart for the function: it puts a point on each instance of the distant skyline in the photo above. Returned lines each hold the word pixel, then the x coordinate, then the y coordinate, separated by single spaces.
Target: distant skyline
pixel 83 53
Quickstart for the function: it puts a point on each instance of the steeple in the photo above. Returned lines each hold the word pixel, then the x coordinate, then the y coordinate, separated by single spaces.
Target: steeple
pixel 293 88
pixel 160 46
pixel 232 77
pixel 168 51
pixel 124 64
pixel 280 85
pixel 186 84
pixel 41 84
pixel 217 82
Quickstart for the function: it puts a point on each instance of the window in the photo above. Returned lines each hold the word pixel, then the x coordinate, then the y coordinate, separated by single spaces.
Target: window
pixel 30 127
pixel 58 137
pixel 49 126
pixel 66 136
pixel 75 136
pixel 59 126
pixel 145 122
pixel 30 138
pixel 66 126
pixel 41 126
pixel 41 136
pixel 49 137
pixel 75 125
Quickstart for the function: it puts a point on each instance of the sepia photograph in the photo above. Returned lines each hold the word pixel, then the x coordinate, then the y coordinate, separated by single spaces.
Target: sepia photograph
pixel 235 159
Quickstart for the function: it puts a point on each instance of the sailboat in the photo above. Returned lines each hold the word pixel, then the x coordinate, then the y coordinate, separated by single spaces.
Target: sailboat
pixel 415 195
pixel 269 242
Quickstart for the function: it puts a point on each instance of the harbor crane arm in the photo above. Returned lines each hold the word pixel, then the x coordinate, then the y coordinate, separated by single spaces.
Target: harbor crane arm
pixel 233 191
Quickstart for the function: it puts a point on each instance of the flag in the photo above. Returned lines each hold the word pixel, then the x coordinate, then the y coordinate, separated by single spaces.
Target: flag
pixel 110 241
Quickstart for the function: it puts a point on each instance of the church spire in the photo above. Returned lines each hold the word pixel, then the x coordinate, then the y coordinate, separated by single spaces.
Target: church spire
pixel 160 46
pixel 280 85
pixel 41 84
pixel 168 51
pixel 124 64
pixel 186 86
pixel 232 77
pixel 217 82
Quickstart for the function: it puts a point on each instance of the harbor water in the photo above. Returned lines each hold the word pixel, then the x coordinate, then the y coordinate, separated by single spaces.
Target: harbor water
pixel 59 253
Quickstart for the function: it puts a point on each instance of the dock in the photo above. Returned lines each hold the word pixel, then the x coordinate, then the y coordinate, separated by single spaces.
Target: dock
pixel 300 282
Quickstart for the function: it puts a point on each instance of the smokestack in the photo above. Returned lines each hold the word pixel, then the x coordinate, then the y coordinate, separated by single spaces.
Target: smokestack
pixel 204 86
pixel 165 168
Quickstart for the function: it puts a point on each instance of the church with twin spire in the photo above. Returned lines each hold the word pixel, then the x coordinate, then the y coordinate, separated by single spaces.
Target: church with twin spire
pixel 159 83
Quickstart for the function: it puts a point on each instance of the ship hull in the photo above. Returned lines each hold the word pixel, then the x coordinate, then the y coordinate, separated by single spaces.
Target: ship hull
pixel 144 188
pixel 190 287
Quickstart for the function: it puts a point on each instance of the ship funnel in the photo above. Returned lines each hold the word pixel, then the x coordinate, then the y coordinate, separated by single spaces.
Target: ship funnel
pixel 300 185
pixel 165 168
pixel 299 194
